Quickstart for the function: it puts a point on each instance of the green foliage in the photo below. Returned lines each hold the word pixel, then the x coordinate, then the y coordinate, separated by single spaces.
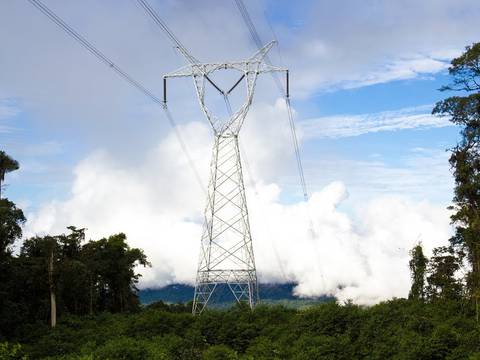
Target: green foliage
pixel 465 70
pixel 464 111
pixel 11 352
pixel 418 267
pixel 11 220
pixel 86 278
pixel 122 348
pixel 397 329
pixel 111 263
pixel 219 352
pixel 442 268
pixel 7 164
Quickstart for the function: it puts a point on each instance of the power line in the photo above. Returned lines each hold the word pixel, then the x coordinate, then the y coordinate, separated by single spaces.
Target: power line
pixel 291 120
pixel 104 59
pixel 163 26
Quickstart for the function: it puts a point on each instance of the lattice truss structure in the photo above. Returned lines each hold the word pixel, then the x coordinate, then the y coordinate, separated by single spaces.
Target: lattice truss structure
pixel 226 252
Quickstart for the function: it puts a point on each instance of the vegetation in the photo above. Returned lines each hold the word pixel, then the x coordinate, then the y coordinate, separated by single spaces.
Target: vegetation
pixel 7 164
pixel 464 111
pixel 91 287
pixel 418 266
pixel 397 329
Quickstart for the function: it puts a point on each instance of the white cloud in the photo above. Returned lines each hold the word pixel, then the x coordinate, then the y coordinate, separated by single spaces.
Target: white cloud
pixel 327 251
pixel 364 259
pixel 398 69
pixel 421 174
pixel 339 126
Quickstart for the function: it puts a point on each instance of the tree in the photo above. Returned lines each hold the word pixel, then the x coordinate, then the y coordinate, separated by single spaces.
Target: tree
pixel 112 264
pixel 11 221
pixel 7 164
pixel 41 255
pixel 442 281
pixel 464 111
pixel 418 266
pixel 51 263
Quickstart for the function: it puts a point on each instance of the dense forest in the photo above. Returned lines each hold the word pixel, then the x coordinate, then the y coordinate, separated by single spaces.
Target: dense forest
pixel 62 297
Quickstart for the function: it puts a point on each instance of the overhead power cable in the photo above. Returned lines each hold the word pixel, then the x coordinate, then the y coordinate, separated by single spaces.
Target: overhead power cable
pixel 291 120
pixel 163 26
pixel 256 38
pixel 104 59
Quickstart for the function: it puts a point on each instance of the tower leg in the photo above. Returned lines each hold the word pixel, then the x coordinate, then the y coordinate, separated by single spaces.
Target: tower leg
pixel 226 252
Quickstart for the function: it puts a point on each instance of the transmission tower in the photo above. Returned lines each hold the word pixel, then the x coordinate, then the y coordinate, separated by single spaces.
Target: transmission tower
pixel 226 251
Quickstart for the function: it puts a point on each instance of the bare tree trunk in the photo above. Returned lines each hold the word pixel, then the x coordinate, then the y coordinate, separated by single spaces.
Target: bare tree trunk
pixel 53 301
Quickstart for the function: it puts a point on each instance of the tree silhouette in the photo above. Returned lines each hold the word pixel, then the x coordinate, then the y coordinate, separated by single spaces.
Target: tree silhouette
pixel 464 111
pixel 418 266
pixel 7 164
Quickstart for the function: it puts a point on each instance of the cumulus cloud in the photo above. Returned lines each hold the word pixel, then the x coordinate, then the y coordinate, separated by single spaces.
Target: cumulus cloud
pixel 340 126
pixel 363 257
pixel 324 249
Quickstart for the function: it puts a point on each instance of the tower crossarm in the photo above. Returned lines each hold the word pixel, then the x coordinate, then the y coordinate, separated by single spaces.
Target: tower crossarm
pixel 242 66
pixel 184 71
pixel 248 70
pixel 262 52
pixel 266 68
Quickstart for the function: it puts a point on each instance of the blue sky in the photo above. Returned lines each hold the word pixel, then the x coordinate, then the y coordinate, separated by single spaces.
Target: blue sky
pixel 96 153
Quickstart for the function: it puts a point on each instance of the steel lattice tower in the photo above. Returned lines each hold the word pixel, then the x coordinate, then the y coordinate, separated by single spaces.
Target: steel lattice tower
pixel 226 252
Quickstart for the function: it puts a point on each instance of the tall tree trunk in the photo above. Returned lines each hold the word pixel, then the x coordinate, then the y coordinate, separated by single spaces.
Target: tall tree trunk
pixel 2 178
pixel 91 296
pixel 477 286
pixel 53 301
pixel 121 301
pixel 476 278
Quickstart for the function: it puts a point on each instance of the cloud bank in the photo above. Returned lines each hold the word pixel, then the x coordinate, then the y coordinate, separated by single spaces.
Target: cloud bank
pixel 361 256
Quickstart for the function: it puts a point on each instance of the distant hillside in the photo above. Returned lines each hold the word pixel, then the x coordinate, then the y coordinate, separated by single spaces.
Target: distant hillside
pixel 270 293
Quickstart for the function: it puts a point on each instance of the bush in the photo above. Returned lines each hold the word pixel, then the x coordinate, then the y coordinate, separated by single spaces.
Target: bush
pixel 122 348
pixel 11 351
pixel 219 352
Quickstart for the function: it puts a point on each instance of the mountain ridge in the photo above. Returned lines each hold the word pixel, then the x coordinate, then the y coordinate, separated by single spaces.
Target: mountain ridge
pixel 183 293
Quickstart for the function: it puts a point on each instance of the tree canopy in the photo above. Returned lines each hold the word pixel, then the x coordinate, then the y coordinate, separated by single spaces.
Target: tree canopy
pixel 464 111
pixel 7 164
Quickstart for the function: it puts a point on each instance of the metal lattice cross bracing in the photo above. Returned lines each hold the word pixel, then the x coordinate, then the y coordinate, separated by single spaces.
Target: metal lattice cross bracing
pixel 226 251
